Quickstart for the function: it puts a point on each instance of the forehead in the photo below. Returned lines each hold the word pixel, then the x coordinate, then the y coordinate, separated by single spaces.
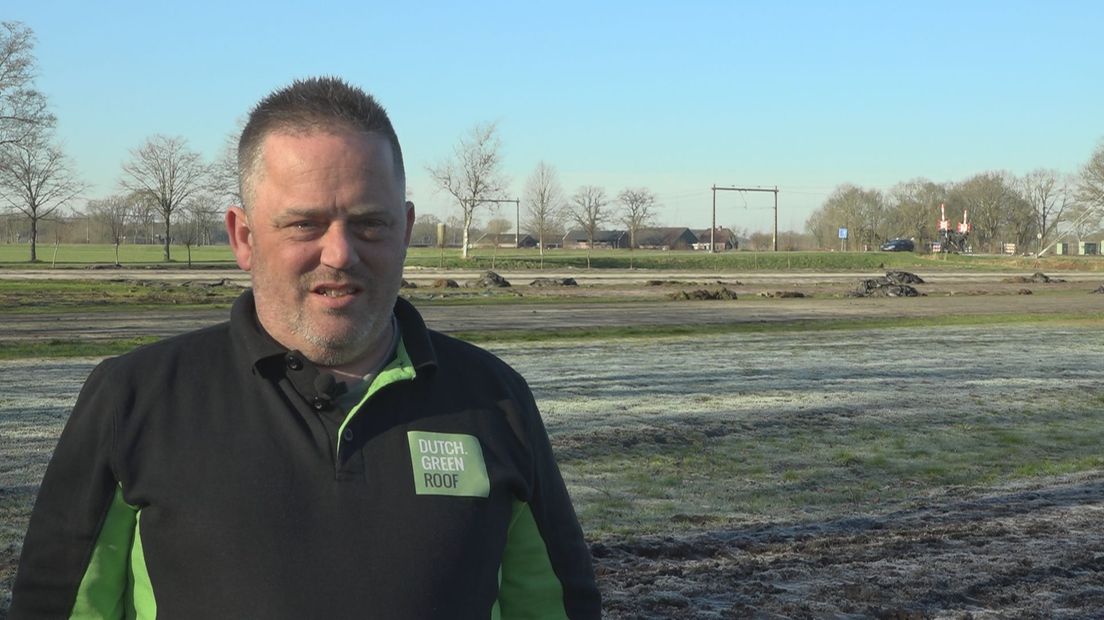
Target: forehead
pixel 309 149
pixel 320 161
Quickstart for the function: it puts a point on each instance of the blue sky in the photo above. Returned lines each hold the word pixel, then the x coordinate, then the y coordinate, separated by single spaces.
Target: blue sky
pixel 672 96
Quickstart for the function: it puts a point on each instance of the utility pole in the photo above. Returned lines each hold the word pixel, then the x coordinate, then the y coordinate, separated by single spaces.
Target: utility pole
pixel 517 216
pixel 774 236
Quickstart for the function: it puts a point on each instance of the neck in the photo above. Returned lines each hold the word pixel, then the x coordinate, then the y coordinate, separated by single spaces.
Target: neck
pixel 355 371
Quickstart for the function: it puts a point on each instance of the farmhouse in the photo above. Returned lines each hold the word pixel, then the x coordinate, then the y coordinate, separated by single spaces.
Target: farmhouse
pixel 505 240
pixel 603 239
pixel 665 239
pixel 723 239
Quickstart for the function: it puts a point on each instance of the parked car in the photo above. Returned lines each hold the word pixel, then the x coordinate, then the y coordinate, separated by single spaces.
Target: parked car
pixel 898 245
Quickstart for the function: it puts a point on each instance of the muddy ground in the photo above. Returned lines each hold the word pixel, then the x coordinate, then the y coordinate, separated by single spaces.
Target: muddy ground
pixel 1035 552
pixel 1027 548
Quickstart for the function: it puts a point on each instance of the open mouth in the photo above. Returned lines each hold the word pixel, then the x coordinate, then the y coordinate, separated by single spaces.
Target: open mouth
pixel 333 290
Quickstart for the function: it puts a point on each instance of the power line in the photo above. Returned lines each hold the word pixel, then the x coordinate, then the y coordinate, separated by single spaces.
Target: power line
pixel 774 236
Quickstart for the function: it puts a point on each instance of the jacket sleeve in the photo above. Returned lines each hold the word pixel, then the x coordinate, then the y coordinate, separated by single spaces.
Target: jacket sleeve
pixel 546 566
pixel 74 558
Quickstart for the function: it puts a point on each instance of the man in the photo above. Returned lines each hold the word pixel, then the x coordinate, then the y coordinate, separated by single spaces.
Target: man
pixel 322 454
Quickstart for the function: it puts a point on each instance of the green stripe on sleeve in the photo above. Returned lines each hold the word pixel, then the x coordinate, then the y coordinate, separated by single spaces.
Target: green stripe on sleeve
pixel 103 588
pixel 141 604
pixel 528 586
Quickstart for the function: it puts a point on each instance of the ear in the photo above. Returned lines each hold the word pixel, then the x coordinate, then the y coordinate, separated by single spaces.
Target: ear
pixel 241 236
pixel 409 221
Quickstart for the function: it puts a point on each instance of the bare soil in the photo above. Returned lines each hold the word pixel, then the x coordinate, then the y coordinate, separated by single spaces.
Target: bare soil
pixel 1035 552
pixel 1015 546
pixel 1021 549
pixel 646 302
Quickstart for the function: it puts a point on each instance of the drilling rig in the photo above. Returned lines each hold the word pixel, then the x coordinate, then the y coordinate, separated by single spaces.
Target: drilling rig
pixel 953 241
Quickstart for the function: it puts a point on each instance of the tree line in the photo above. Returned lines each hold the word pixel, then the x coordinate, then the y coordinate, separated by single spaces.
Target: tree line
pixel 1032 211
pixel 473 177
pixel 165 182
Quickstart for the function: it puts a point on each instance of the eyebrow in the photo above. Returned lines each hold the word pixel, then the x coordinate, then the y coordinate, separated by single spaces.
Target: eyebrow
pixel 353 213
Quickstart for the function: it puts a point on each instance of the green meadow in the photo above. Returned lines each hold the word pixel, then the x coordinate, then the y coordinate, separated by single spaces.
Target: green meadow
pixel 219 256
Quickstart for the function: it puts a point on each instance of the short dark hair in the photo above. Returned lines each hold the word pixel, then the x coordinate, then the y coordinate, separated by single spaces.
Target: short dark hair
pixel 313 104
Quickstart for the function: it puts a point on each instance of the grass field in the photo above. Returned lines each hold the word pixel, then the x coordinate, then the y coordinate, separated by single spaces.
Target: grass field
pixel 678 437
pixel 83 255
pixel 812 425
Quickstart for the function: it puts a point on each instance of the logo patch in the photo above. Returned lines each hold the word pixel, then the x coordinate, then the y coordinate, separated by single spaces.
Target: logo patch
pixel 448 464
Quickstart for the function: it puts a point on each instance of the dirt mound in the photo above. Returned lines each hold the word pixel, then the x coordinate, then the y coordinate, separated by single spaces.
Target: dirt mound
pixel 490 280
pixel 1099 289
pixel 892 284
pixel 903 277
pixel 882 287
pixel 445 283
pixel 154 284
pixel 1035 278
pixel 541 282
pixel 702 295
pixel 207 283
pixel 783 294
pixel 684 283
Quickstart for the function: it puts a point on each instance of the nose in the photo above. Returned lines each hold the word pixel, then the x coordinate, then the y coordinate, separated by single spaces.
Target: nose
pixel 339 247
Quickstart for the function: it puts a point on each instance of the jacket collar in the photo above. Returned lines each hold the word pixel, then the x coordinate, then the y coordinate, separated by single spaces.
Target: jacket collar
pixel 261 349
pixel 415 336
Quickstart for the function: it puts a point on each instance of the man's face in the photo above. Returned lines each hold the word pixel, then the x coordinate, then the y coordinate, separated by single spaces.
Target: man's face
pixel 325 241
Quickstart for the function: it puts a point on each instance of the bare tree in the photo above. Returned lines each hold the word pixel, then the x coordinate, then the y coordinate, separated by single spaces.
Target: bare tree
pixel 1087 213
pixel 193 226
pixel 496 227
pixel 113 213
pixel 760 241
pixel 424 232
pixel 22 108
pixel 1021 226
pixel 872 221
pixel 636 212
pixel 144 214
pixel 223 180
pixel 587 210
pixel 914 208
pixel 499 226
pixel 858 210
pixel 1083 219
pixel 1048 195
pixel 988 198
pixel 820 226
pixel 1090 187
pixel 473 174
pixel 544 200
pixel 36 180
pixel 454 226
pixel 168 172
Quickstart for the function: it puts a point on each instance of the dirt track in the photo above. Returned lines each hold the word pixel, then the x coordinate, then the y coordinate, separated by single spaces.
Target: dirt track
pixel 564 315
pixel 944 294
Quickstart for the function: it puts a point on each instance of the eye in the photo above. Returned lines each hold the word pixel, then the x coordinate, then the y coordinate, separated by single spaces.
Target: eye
pixel 303 229
pixel 368 227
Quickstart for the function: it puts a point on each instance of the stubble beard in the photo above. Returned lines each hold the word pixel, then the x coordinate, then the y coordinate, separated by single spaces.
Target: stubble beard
pixel 367 326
